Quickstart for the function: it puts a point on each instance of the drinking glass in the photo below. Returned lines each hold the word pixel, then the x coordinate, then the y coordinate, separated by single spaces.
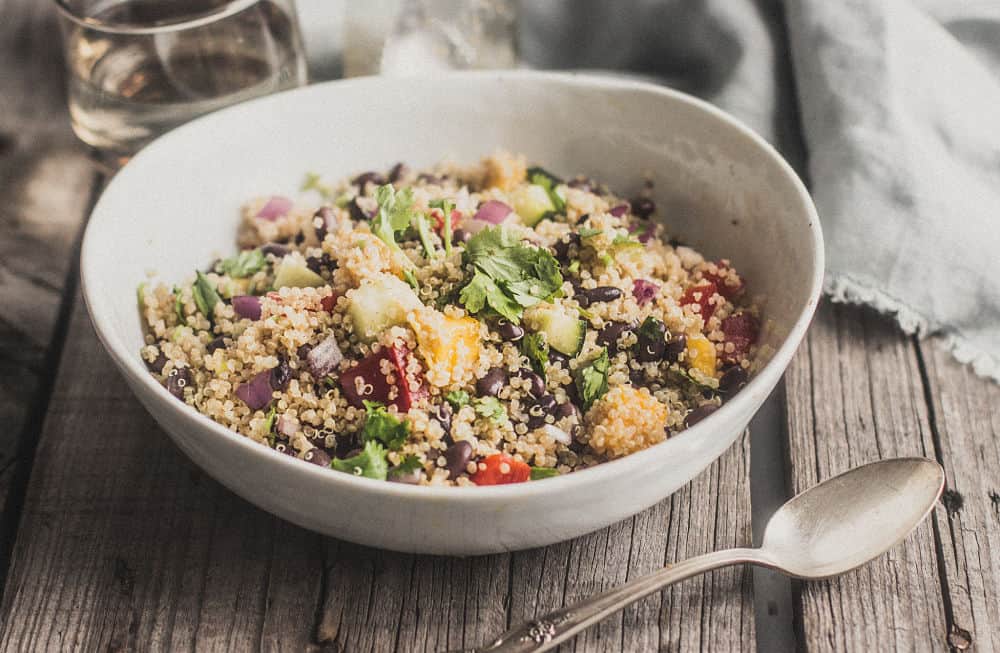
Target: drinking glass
pixel 138 68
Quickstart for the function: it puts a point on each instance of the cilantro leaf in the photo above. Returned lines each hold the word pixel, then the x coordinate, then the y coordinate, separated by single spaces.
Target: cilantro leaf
pixel 394 213
pixel 625 241
pixel 508 275
pixel 312 182
pixel 383 427
pixel 244 264
pixel 483 291
pixel 179 305
pixel 490 407
pixel 457 398
pixel 592 379
pixel 537 350
pixel 538 473
pixel 587 232
pixel 370 463
pixel 424 231
pixel 269 421
pixel 205 295
pixel 410 463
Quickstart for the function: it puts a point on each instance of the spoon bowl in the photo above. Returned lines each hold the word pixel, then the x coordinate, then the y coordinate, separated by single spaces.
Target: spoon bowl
pixel 831 528
pixel 850 519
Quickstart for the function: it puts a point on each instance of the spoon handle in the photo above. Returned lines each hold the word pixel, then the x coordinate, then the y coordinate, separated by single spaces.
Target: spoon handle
pixel 548 631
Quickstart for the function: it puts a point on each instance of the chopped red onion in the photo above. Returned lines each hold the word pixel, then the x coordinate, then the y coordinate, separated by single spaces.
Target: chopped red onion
pixel 256 393
pixel 620 210
pixel 287 426
pixel 275 207
pixel 646 231
pixel 493 212
pixel 324 357
pixel 247 306
pixel 644 291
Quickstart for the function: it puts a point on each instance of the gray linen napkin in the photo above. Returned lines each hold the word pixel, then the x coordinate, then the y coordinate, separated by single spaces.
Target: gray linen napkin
pixel 900 113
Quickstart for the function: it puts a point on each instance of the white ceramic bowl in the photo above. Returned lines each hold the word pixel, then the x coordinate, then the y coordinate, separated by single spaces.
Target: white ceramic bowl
pixel 721 188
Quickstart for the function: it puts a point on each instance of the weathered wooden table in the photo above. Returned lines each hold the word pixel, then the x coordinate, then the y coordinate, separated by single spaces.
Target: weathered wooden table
pixel 110 539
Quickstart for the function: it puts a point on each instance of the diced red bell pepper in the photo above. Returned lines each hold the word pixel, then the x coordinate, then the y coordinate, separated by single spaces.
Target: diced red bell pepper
pixel 501 469
pixel 438 216
pixel 329 302
pixel 701 294
pixel 374 385
pixel 741 329
pixel 727 282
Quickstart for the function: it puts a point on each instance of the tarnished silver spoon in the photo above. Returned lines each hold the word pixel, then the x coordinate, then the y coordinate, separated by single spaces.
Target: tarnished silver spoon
pixel 828 530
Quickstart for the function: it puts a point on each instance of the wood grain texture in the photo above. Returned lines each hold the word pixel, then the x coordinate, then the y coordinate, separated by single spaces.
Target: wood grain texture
pixel 47 183
pixel 966 419
pixel 124 544
pixel 855 395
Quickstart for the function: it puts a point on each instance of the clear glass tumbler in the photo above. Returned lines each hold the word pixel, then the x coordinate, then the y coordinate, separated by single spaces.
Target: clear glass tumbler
pixel 138 68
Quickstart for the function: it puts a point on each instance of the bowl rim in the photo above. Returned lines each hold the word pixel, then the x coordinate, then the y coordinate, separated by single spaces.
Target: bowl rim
pixel 129 363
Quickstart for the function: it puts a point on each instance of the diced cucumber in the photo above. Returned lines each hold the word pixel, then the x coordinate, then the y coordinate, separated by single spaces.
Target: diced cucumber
pixel 563 332
pixel 381 304
pixel 293 273
pixel 531 202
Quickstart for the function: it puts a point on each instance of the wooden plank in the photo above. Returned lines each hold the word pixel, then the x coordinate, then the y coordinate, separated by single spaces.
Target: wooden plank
pixel 124 542
pixel 715 611
pixel 855 395
pixel 967 427
pixel 47 182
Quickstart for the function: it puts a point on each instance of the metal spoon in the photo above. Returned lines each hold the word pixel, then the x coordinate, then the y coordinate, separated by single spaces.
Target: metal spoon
pixel 828 530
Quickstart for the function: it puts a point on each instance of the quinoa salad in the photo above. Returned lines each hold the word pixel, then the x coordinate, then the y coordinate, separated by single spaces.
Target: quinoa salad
pixel 476 325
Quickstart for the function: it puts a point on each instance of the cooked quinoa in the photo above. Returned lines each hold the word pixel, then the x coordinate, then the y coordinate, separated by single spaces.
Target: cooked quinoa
pixel 464 325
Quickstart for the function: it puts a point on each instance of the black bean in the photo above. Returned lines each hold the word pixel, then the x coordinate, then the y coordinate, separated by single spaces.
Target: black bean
pixel 347 446
pixel 158 362
pixel 370 177
pixel 318 439
pixel 651 345
pixel 317 457
pixel 509 331
pixel 559 357
pixel 457 458
pixel 285 448
pixel 428 178
pixel 567 409
pixel 643 207
pixel 397 172
pixel 602 294
pixel 178 379
pixel 537 387
pixel 537 411
pixel 281 374
pixel 274 249
pixel 303 351
pixel 561 246
pixel 362 208
pixel 460 236
pixel 326 219
pixel 442 415
pixel 732 380
pixel 676 347
pixel 217 343
pixel 611 333
pixel 300 238
pixel 491 384
pixel 699 413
